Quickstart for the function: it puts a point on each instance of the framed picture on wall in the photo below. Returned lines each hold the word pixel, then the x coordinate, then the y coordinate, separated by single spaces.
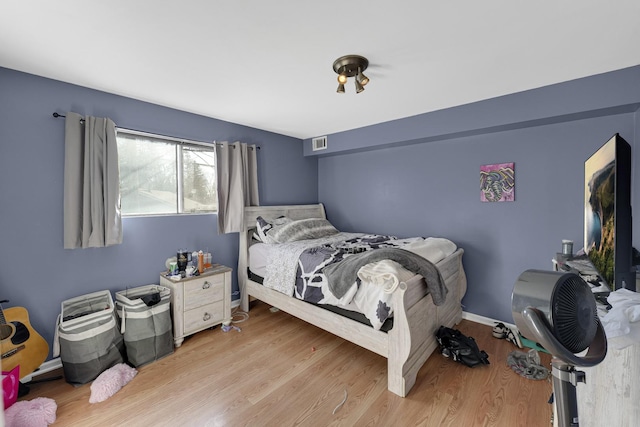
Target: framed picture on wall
pixel 497 182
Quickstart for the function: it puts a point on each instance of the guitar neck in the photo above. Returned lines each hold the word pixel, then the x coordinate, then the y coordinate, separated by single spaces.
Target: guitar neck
pixel 12 352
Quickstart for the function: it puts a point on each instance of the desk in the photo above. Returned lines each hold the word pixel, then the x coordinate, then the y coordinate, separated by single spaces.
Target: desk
pixel 611 394
pixel 585 270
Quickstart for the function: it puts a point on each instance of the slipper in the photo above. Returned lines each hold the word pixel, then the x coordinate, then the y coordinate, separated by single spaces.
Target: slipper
pixel 500 331
pixel 514 338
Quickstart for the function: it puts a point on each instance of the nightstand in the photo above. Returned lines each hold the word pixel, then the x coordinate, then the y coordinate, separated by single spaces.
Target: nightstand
pixel 199 302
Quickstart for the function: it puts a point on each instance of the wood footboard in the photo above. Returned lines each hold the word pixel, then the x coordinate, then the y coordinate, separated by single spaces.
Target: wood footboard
pixel 407 345
pixel 416 320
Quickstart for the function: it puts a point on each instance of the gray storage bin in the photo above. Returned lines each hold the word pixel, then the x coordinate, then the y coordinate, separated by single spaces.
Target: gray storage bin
pixel 87 337
pixel 147 329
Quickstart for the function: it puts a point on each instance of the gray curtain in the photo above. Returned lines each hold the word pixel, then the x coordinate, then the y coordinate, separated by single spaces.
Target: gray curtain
pixel 237 168
pixel 92 216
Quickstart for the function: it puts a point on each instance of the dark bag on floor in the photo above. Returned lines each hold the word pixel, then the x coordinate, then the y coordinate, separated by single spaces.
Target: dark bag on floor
pixel 460 348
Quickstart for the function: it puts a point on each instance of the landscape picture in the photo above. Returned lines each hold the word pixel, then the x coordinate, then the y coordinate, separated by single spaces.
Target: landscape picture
pixel 599 211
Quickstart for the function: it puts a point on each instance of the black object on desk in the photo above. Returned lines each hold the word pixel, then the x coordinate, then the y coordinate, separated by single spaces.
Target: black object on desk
pixel 601 297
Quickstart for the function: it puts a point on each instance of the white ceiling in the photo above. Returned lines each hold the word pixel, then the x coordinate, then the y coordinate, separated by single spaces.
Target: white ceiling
pixel 268 64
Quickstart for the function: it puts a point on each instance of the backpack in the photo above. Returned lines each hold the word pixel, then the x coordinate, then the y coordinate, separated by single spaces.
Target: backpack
pixel 460 348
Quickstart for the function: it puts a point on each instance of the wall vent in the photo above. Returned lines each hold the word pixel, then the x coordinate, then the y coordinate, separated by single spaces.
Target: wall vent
pixel 319 143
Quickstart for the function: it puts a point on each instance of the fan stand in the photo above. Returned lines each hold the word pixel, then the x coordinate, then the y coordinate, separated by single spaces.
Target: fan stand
pixel 565 379
pixel 563 362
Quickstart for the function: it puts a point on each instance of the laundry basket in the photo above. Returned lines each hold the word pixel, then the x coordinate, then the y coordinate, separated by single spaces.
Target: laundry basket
pixel 87 337
pixel 145 322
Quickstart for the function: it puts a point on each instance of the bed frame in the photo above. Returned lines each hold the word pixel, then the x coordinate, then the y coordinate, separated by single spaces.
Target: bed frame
pixel 411 340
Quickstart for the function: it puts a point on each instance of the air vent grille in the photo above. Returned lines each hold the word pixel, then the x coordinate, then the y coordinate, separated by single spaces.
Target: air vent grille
pixel 319 143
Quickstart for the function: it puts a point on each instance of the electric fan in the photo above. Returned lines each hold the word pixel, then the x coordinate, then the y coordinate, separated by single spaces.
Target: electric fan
pixel 558 311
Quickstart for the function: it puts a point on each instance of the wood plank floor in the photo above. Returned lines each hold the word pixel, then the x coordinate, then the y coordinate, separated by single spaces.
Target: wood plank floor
pixel 280 371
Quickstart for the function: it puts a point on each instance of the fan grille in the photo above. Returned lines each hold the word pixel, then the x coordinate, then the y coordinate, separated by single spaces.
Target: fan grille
pixel 573 308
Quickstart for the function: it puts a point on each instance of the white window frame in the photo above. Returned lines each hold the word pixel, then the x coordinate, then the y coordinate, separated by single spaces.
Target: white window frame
pixel 180 143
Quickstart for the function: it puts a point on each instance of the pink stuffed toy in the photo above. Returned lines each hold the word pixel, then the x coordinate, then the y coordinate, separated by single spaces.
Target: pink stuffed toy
pixel 39 412
pixel 110 381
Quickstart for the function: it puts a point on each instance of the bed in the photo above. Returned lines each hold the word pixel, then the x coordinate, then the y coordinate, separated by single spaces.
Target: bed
pixel 416 317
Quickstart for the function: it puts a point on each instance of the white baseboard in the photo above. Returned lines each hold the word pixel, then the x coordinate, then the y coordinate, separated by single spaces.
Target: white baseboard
pixel 485 320
pixel 48 366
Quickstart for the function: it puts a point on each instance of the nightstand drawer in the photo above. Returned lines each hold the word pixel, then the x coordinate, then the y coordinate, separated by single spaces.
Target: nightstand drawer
pixel 203 317
pixel 205 290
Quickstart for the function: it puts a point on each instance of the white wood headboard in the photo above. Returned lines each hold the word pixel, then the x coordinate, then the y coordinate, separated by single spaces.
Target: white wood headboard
pixel 291 211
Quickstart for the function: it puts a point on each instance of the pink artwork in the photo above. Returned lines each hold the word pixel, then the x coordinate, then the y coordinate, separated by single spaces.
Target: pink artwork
pixel 497 183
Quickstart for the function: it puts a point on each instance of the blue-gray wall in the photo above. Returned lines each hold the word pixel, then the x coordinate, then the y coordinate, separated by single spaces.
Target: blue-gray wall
pixel 419 176
pixel 35 271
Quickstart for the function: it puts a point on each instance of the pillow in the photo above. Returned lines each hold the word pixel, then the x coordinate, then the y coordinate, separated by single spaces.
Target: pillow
pixel 264 227
pixel 310 228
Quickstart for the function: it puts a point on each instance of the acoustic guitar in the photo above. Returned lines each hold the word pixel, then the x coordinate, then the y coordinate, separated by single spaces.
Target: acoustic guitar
pixel 20 344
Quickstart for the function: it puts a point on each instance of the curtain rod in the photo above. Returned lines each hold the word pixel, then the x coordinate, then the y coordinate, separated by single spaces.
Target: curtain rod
pixel 57 115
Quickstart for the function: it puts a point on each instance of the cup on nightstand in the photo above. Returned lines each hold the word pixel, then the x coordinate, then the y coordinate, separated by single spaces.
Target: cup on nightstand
pixel 567 248
pixel 173 268
pixel 183 258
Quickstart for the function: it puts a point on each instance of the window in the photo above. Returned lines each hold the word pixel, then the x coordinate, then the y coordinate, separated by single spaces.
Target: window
pixel 162 175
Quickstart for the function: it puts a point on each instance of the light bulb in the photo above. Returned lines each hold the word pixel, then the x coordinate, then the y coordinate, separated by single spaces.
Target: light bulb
pixel 362 78
pixel 342 78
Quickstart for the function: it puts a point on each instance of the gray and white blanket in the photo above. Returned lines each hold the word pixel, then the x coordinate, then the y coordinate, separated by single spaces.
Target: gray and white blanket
pixel 302 263
pixel 282 262
pixel 342 275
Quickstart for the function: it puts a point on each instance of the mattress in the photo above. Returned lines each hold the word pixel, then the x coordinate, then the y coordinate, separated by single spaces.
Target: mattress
pixel 258 253
pixel 354 315
pixel 370 295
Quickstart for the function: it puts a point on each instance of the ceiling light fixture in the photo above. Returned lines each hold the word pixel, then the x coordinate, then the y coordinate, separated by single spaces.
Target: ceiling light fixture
pixel 351 66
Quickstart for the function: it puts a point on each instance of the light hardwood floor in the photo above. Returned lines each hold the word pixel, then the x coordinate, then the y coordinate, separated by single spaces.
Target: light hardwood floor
pixel 281 371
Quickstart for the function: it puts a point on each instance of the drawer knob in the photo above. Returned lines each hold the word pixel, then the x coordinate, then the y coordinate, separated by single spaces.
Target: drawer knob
pixel 206 317
pixel 206 285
